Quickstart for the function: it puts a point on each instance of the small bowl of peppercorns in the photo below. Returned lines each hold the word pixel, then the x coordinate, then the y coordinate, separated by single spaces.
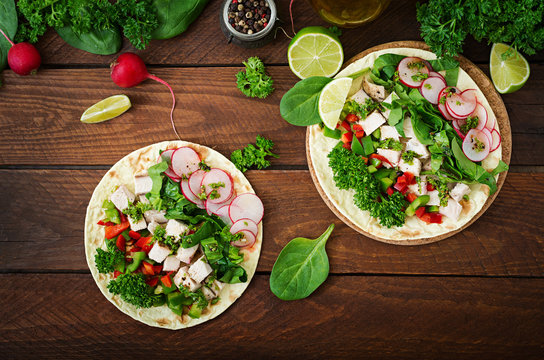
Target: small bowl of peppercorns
pixel 248 23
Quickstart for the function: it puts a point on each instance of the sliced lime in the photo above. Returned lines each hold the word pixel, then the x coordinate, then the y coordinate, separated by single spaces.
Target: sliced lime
pixel 106 109
pixel 331 101
pixel 509 69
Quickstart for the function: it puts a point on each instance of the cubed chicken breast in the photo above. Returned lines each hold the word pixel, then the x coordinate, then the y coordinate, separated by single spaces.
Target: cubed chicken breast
pixel 200 269
pixel 372 122
pixel 175 228
pixel 156 215
pixel 360 97
pixel 413 166
pixel 407 127
pixel 217 286
pixel 417 147
pixel 152 226
pixel 426 165
pixel 434 198
pixel 389 100
pixel 191 284
pixel 181 275
pixel 208 293
pixel 171 263
pixel 122 197
pixel 452 210
pixel 376 92
pixel 137 225
pixel 159 252
pixel 186 254
pixel 143 199
pixel 389 132
pixel 142 183
pixel 391 155
pixel 459 191
pixel 419 188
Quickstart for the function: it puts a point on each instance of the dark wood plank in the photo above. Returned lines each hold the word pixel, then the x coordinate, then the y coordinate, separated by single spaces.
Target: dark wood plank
pixel 204 42
pixel 42 229
pixel 40 122
pixel 374 317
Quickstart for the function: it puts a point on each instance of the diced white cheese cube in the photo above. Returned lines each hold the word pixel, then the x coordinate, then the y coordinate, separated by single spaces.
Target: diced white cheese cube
pixel 153 226
pixel 452 210
pixel 122 197
pixel 414 167
pixel 159 252
pixel 171 263
pixel 200 269
pixel 434 198
pixel 156 215
pixel 407 127
pixel 372 122
pixel 459 191
pixel 143 199
pixel 376 92
pixel 142 184
pixel 391 155
pixel 137 225
pixel 360 97
pixel 208 294
pixel 181 275
pixel 186 254
pixel 389 132
pixel 175 228
pixel 417 147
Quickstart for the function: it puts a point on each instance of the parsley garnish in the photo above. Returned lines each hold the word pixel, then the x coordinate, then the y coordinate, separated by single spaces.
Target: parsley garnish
pixel 471 122
pixel 443 190
pixel 409 156
pixel 136 212
pixel 391 144
pixel 254 82
pixel 252 155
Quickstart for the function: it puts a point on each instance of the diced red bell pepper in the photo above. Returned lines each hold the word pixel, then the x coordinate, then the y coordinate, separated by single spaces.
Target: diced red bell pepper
pixel 402 180
pixel 400 187
pixel 411 197
pixel 364 159
pixel 116 273
pixel 134 235
pixel 347 137
pixel 420 211
pixel 145 243
pixel 358 127
pixel 359 134
pixel 347 146
pixel 122 216
pixel 152 281
pixel 157 269
pixel 426 217
pixel 121 243
pixel 381 158
pixel 430 187
pixel 390 191
pixel 135 249
pixel 105 223
pixel 115 230
pixel 166 281
pixel 436 218
pixel 410 178
pixel 404 191
pixel 147 268
pixel 352 118
pixel 345 125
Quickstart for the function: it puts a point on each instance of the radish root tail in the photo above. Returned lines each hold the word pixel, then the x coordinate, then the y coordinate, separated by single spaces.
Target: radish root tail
pixel 7 38
pixel 153 77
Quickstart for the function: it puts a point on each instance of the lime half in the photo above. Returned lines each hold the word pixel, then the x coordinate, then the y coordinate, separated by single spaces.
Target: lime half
pixel 106 109
pixel 315 51
pixel 331 101
pixel 509 69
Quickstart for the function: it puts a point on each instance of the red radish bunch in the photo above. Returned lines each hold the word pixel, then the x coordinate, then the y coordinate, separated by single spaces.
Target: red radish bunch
pixel 23 58
pixel 129 70
pixel 244 211
pixel 454 105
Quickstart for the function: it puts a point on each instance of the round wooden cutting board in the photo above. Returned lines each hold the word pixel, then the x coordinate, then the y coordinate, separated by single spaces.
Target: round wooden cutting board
pixel 496 103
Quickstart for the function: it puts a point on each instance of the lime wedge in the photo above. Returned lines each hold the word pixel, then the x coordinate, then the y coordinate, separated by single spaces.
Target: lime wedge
pixel 106 109
pixel 509 69
pixel 315 51
pixel 331 101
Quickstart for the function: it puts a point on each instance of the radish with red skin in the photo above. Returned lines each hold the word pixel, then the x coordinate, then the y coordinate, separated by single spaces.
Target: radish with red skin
pixel 460 107
pixel 481 113
pixel 444 111
pixel 223 185
pixel 476 145
pixel 470 94
pixel 490 124
pixel 248 239
pixel 496 140
pixel 129 70
pixel 23 58
pixel 431 87
pixel 167 155
pixel 408 67
pixel 244 224
pixel 195 180
pixel 185 161
pixel 489 136
pixel 455 125
pixel 436 74
pixel 223 213
pixel 212 208
pixel 248 206
pixel 184 185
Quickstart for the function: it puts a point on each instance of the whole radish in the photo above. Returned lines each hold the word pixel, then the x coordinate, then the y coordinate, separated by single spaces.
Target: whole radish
pixel 23 58
pixel 129 70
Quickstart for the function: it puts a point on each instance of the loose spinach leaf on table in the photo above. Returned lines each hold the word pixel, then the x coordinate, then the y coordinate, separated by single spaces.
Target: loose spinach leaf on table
pixel 301 267
pixel 8 24
pixel 175 16
pixel 101 42
pixel 299 105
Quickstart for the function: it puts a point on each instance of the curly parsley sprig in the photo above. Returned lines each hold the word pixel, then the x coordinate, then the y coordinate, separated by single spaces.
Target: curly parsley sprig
pixel 254 82
pixel 252 155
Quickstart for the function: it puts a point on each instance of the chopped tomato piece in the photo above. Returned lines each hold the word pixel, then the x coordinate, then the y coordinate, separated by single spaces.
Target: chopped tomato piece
pixel 115 230
pixel 410 178
pixel 359 134
pixel 420 211
pixel 402 180
pixel 134 235
pixel 121 243
pixel 347 137
pixel 152 281
pixel 116 273
pixel 358 127
pixel 390 191
pixel 436 218
pixel 166 281
pixel 105 223
pixel 136 249
pixel 430 187
pixel 352 118
pixel 411 197
pixel 404 191
pixel 345 125
pixel 145 243
pixel 147 268
pixel 426 217
pixel 157 269
pixel 381 158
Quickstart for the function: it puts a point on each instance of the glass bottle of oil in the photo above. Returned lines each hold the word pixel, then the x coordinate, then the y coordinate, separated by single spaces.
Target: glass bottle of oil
pixel 349 13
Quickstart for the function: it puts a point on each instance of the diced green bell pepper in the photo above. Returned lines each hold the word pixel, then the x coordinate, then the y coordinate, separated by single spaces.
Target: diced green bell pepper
pixel 377 134
pixel 383 173
pixel 375 162
pixel 420 201
pixel 166 289
pixel 120 266
pixel 335 134
pixel 433 209
pixel 137 258
pixel 371 169
pixel 356 147
pixel 195 311
pixel 159 300
pixel 368 146
pixel 385 183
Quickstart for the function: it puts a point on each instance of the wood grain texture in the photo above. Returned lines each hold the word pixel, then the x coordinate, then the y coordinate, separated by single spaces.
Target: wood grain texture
pixel 42 118
pixel 367 317
pixel 204 43
pixel 42 229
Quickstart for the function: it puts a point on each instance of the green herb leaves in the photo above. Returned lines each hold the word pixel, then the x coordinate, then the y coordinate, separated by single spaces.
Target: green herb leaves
pixel 254 82
pixel 8 23
pixel 299 105
pixel 301 267
pixel 251 155
pixel 175 16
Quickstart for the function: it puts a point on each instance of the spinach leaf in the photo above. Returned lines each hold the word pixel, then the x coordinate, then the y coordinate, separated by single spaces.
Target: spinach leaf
pixel 444 64
pixel 205 231
pixel 500 168
pixel 230 274
pixel 421 129
pixel 101 42
pixel 154 173
pixel 396 114
pixel 387 60
pixel 301 267
pixel 452 75
pixel 8 23
pixel 175 16
pixel 299 105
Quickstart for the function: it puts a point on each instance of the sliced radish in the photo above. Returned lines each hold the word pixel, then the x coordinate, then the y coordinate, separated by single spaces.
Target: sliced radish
pixel 428 65
pixel 244 224
pixel 456 125
pixel 476 145
pixel 190 196
pixel 412 71
pixel 437 74
pixel 168 172
pixel 496 140
pixel 185 161
pixel 470 94
pixel 246 206
pixel 167 155
pixel 212 207
pixel 223 213
pixel 489 136
pixel 218 186
pixel 195 180
pixel 444 111
pixel 459 107
pixel 481 113
pixel 431 88
pixel 490 124
pixel 248 239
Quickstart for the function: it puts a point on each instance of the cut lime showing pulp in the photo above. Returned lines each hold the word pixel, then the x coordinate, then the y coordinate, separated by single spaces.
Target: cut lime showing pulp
pixel 106 109
pixel 331 101
pixel 509 69
pixel 315 51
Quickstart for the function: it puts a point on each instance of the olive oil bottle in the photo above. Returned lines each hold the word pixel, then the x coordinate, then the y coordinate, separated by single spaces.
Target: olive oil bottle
pixel 349 13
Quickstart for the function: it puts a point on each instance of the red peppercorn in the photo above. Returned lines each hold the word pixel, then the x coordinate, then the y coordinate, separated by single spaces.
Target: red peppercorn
pixel 235 1
pixel 264 25
pixel 263 16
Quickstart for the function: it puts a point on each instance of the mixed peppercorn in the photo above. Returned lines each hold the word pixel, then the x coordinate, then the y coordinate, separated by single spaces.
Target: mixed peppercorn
pixel 249 17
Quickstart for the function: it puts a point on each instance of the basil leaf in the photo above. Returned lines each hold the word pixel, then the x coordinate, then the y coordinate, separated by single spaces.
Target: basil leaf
pixel 175 16
pixel 8 23
pixel 101 42
pixel 299 105
pixel 301 267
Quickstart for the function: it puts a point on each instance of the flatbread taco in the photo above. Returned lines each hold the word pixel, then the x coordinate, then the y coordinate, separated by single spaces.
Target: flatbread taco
pixel 417 149
pixel 173 234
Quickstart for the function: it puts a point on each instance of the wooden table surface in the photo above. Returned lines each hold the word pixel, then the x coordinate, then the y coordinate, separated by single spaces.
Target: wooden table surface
pixel 478 294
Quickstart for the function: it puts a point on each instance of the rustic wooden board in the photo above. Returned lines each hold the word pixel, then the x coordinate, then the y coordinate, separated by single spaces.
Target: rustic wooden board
pixel 204 43
pixel 374 317
pixel 42 229
pixel 41 124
